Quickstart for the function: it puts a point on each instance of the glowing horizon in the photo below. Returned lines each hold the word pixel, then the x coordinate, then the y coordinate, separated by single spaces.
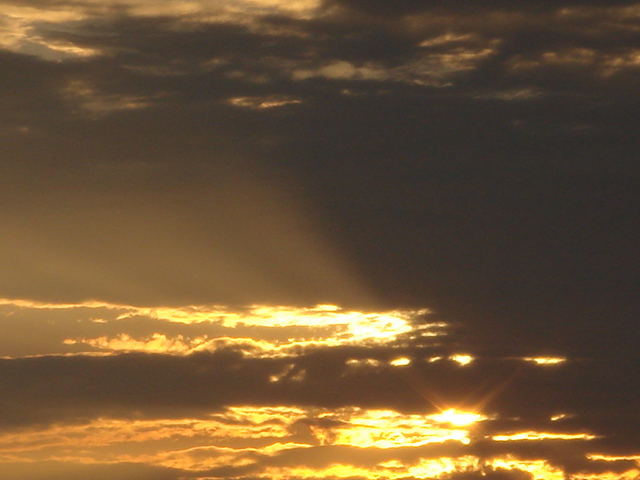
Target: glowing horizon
pixel 259 438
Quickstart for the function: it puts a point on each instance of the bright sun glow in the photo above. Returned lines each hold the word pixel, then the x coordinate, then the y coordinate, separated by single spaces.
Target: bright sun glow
pixel 259 437
pixel 387 429
pixel 250 427
pixel 457 418
pixel 246 436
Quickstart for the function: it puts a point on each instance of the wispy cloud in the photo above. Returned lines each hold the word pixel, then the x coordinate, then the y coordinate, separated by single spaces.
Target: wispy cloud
pixel 285 441
pixel 260 331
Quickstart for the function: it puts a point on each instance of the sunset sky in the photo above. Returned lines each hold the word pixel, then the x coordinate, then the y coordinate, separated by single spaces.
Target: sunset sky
pixel 319 239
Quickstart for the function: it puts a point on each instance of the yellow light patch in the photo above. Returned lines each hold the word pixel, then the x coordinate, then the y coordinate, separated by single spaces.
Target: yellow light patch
pixel 356 363
pixel 462 359
pixel 248 436
pixel 386 429
pixel 434 468
pixel 261 103
pixel 545 361
pixel 613 458
pixel 260 331
pixel 540 469
pixel 156 343
pixel 542 436
pixel 400 362
pixel 457 418
pixel 332 471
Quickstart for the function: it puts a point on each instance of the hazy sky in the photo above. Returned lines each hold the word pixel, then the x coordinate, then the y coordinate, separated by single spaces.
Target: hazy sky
pixel 304 239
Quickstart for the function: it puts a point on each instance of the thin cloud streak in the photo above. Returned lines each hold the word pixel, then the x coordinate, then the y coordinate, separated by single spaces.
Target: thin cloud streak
pixel 259 331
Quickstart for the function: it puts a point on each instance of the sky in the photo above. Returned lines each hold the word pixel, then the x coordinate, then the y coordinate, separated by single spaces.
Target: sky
pixel 319 239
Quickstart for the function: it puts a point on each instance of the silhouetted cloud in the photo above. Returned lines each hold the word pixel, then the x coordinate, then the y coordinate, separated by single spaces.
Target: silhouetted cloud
pixel 168 165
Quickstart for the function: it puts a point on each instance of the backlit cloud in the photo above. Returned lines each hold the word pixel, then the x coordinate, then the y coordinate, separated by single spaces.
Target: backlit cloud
pixel 190 410
pixel 262 331
pixel 285 441
pixel 310 239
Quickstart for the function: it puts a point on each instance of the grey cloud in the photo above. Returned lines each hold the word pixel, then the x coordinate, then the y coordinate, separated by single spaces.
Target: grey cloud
pixel 40 390
pixel 407 7
pixel 413 178
pixel 71 390
pixel 158 60
pixel 606 33
pixel 198 59
pixel 124 178
pixel 209 61
pixel 461 166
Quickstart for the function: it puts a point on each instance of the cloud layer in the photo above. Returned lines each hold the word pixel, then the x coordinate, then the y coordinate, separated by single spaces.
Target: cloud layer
pixel 305 393
pixel 285 239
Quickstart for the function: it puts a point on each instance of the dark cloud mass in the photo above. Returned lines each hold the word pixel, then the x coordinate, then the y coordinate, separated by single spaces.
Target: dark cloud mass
pixel 45 389
pixel 181 183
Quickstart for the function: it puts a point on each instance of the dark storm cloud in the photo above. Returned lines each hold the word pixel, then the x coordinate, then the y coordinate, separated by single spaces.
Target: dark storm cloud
pixel 408 7
pixel 518 397
pixel 71 389
pixel 264 49
pixel 565 48
pixel 211 60
pixel 477 158
pixel 504 194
